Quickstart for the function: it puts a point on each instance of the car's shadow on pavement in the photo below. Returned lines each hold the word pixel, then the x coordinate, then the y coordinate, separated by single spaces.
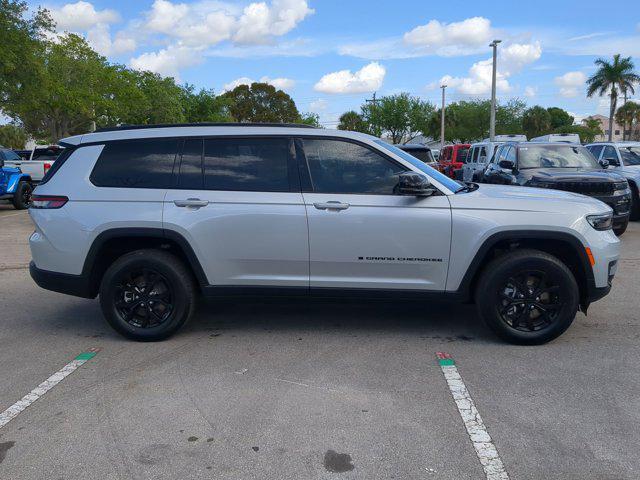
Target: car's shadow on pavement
pixel 442 321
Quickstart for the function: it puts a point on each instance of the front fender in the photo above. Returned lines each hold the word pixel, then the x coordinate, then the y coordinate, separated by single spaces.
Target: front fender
pixel 15 179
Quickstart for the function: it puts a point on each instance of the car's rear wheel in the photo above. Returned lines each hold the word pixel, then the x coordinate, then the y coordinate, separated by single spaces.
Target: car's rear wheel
pixel 527 297
pixel 147 295
pixel 22 196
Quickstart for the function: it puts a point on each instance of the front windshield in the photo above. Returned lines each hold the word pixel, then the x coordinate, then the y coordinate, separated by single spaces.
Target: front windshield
pixel 439 177
pixel 423 154
pixel 630 155
pixel 555 156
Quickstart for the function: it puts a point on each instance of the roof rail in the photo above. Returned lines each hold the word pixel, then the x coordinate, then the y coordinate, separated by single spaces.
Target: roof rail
pixel 204 124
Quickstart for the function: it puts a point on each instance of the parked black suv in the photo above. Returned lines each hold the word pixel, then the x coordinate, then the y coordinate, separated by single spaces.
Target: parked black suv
pixel 561 166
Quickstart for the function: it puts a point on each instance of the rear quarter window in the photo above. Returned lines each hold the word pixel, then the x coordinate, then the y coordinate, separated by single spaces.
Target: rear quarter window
pixel 136 164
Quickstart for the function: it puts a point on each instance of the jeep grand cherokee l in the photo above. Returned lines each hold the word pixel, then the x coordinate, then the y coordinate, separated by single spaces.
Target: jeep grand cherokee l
pixel 561 166
pixel 149 218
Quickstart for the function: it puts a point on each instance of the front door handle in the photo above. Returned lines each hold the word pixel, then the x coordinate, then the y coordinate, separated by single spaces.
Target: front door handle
pixel 332 205
pixel 191 203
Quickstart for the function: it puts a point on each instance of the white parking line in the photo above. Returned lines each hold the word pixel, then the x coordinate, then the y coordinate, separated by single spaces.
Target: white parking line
pixel 14 410
pixel 485 449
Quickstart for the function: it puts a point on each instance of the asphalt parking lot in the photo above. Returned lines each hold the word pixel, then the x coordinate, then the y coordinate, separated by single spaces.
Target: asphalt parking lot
pixel 308 389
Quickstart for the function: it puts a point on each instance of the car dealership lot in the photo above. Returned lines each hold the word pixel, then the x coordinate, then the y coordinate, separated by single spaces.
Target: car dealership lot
pixel 312 389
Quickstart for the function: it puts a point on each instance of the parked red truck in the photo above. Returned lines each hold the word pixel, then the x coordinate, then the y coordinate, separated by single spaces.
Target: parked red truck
pixel 452 157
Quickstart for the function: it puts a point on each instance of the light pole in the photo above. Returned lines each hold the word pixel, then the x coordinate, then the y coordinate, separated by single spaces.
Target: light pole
pixel 492 119
pixel 442 119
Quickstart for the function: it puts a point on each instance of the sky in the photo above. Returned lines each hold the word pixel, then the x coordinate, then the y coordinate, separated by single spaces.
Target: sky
pixel 331 55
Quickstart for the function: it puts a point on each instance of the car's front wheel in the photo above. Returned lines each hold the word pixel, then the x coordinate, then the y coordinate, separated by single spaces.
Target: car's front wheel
pixel 527 297
pixel 147 295
pixel 620 229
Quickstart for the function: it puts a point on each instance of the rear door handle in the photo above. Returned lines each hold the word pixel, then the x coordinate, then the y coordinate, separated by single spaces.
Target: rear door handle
pixel 191 202
pixel 332 205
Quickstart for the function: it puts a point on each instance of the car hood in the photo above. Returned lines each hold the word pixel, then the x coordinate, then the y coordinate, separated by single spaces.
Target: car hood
pixel 569 175
pixel 11 170
pixel 529 199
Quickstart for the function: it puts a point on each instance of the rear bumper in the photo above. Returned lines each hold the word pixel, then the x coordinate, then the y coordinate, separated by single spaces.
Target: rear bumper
pixel 76 285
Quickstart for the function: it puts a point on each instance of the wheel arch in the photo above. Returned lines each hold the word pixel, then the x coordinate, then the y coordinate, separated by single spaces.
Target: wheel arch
pixel 566 247
pixel 113 243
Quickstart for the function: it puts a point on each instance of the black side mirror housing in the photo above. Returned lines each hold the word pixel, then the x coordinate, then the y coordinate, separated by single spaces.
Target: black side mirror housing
pixel 412 183
pixel 605 163
pixel 1 162
pixel 507 165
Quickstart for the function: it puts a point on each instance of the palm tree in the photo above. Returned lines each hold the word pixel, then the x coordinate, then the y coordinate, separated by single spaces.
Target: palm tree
pixel 613 76
pixel 627 116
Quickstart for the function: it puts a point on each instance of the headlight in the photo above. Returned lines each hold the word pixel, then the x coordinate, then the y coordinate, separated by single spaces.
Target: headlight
pixel 601 222
pixel 621 188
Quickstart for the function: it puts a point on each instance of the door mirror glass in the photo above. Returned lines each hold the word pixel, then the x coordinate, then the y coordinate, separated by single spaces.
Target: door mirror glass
pixel 507 165
pixel 412 183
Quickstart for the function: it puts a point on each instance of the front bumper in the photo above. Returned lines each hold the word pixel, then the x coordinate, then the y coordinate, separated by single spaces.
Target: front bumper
pixel 621 206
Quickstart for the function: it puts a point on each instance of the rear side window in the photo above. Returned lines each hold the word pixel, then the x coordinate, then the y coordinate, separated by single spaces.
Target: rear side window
pixel 596 149
pixel 136 164
pixel 66 153
pixel 246 164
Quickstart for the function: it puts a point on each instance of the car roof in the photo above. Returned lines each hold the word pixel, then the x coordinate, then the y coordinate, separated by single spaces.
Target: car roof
pixel 618 144
pixel 190 130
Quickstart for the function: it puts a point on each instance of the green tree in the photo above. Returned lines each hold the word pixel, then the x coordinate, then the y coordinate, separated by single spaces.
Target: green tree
pixel 593 125
pixel 401 116
pixel 310 118
pixel 204 106
pixel 586 134
pixel 353 121
pixel 21 47
pixel 509 117
pixel 536 121
pixel 261 103
pixel 12 136
pixel 612 77
pixel 628 116
pixel 559 118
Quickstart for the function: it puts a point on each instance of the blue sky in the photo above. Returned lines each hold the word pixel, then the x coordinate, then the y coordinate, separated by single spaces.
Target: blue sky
pixel 331 55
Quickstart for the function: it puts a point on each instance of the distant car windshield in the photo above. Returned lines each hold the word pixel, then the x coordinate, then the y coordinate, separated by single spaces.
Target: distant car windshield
pixel 555 156
pixel 462 154
pixel 431 172
pixel 630 155
pixel 423 154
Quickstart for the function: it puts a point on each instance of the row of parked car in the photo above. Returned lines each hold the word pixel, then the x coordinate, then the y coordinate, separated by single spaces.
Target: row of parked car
pixel 607 171
pixel 21 170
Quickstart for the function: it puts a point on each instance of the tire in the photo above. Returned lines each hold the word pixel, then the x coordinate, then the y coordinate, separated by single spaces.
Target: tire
pixel 22 196
pixel 621 229
pixel 506 304
pixel 147 295
pixel 635 202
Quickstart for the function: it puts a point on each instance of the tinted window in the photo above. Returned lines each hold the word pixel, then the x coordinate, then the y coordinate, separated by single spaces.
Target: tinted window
pixel 423 154
pixel 511 154
pixel 136 164
pixel 461 155
pixel 246 164
pixel 483 155
pixel 610 153
pixel 11 156
pixel 630 155
pixel 190 177
pixel 475 154
pixel 343 167
pixel 596 149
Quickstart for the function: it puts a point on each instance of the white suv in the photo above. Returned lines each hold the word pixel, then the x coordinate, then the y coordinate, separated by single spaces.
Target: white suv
pixel 148 218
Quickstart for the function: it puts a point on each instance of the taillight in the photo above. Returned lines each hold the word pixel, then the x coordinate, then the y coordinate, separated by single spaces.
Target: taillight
pixel 48 201
pixel 47 166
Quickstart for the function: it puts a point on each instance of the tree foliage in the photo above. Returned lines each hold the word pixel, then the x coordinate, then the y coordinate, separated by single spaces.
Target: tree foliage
pixel 353 121
pixel 536 121
pixel 613 77
pixel 559 118
pixel 628 116
pixel 262 103
pixel 401 116
pixel 12 136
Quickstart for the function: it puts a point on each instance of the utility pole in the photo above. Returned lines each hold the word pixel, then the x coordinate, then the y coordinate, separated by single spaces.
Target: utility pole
pixel 442 119
pixel 492 119
pixel 374 102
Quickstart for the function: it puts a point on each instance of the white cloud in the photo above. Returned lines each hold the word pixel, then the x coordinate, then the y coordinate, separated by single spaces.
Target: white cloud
pixel 368 79
pixel 81 16
pixel 167 61
pixel 449 37
pixel 279 83
pixel 530 91
pixel 99 37
pixel 260 22
pixel 210 22
pixel 318 105
pixel 571 83
pixel 511 60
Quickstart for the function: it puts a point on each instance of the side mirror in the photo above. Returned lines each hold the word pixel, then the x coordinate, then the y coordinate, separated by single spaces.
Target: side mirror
pixel 507 165
pixel 411 183
pixel 604 163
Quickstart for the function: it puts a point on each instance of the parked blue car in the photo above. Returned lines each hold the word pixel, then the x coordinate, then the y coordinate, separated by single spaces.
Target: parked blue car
pixel 15 186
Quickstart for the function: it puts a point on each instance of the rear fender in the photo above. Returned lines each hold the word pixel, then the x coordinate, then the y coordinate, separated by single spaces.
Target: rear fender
pixel 15 179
